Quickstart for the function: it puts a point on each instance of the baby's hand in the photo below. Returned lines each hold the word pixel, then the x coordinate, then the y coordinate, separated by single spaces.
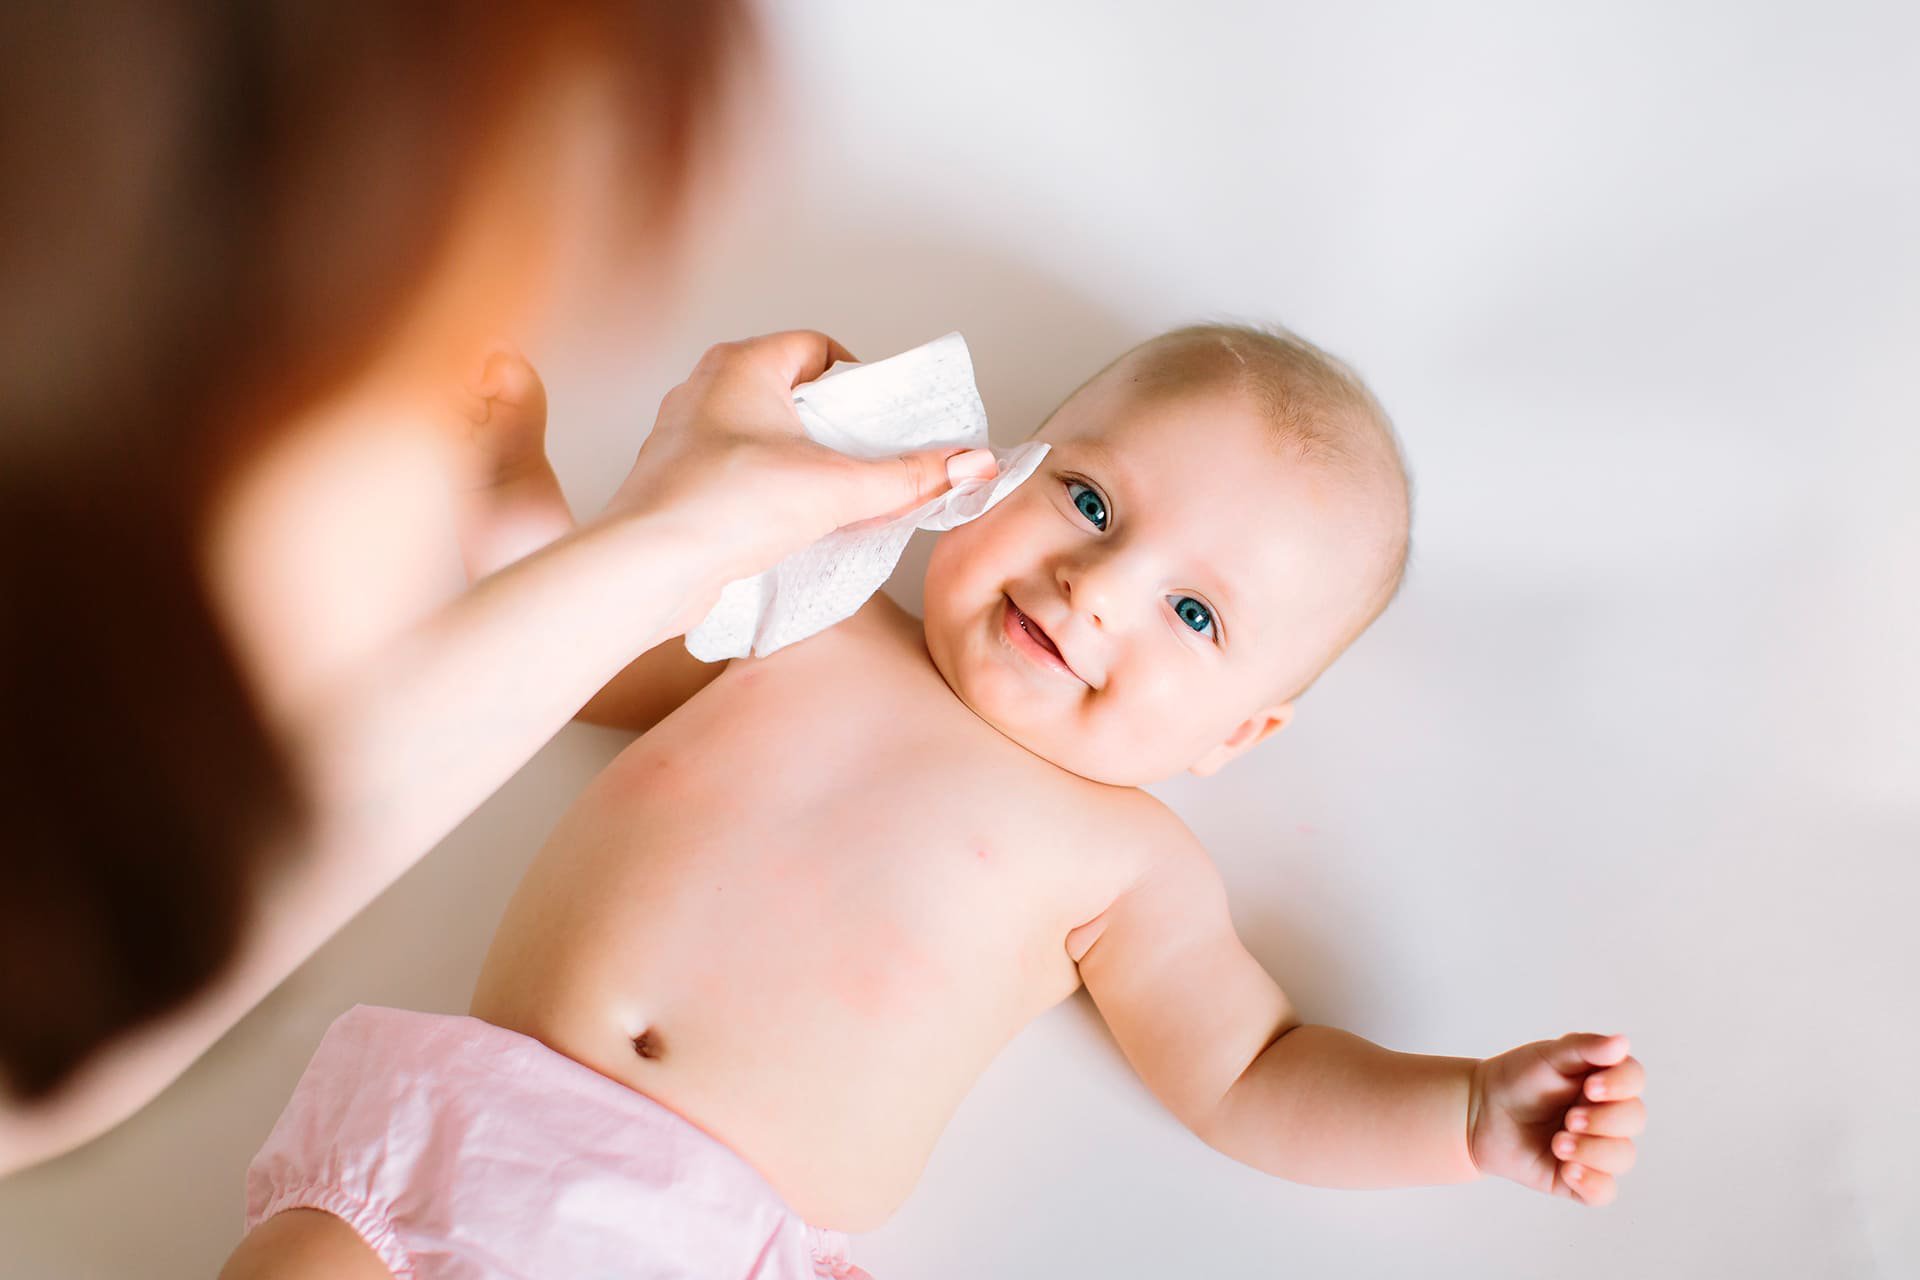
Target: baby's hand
pixel 1558 1115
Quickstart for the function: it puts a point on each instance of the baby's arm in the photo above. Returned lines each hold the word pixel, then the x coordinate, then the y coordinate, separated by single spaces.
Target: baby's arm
pixel 1218 1042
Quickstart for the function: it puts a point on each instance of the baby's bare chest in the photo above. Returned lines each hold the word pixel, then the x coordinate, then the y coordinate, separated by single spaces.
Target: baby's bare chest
pixel 820 879
pixel 839 791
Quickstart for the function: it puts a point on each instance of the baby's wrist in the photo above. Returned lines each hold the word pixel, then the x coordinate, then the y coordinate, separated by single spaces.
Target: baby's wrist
pixel 1476 1103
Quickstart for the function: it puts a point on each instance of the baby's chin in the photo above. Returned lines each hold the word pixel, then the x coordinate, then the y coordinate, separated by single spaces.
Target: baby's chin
pixel 1049 737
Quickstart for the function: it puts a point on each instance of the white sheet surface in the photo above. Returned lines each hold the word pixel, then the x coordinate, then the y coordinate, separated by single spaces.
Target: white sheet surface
pixel 1635 750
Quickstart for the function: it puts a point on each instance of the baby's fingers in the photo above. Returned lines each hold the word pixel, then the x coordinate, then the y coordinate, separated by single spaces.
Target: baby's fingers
pixel 1622 1081
pixel 1609 1155
pixel 1580 1051
pixel 1590 1185
pixel 1624 1119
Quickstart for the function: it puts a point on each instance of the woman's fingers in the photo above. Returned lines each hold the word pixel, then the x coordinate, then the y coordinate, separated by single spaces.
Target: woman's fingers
pixel 728 456
pixel 788 358
pixel 895 486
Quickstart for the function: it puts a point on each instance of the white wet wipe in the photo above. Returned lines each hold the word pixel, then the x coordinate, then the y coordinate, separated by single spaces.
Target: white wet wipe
pixel 920 399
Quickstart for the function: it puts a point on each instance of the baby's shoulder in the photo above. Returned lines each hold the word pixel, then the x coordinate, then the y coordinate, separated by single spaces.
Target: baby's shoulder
pixel 1143 831
pixel 1170 836
pixel 1141 811
pixel 1166 871
pixel 863 638
pixel 882 619
pixel 876 627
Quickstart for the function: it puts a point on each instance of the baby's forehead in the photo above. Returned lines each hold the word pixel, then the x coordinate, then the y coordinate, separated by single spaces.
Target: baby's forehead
pixel 1157 434
pixel 1163 432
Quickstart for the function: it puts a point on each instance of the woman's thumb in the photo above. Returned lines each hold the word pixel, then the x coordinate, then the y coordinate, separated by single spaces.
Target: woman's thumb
pixel 893 486
pixel 968 465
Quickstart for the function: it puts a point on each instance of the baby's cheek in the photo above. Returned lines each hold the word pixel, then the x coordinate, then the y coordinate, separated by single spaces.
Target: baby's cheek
pixel 971 565
pixel 1159 711
pixel 944 569
pixel 940 598
pixel 1158 691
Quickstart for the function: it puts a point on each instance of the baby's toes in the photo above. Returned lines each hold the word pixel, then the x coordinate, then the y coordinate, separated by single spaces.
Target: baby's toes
pixel 1609 1155
pixel 1587 1184
pixel 506 410
pixel 470 407
pixel 509 381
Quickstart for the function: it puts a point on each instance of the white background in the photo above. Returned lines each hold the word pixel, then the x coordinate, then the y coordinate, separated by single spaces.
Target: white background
pixel 1635 750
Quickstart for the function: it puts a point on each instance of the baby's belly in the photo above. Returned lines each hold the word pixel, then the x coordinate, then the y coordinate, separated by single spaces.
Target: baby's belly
pixel 819 1003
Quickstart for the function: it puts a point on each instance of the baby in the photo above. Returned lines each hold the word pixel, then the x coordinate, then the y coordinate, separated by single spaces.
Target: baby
pixel 760 961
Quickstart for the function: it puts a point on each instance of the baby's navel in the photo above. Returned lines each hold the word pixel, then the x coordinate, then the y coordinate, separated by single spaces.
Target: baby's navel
pixel 647 1044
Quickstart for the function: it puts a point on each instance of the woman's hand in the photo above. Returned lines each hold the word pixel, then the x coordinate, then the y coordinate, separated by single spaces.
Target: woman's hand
pixel 729 463
pixel 1559 1116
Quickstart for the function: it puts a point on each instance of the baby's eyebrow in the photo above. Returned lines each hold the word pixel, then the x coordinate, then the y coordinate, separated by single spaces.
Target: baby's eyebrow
pixel 1096 452
pixel 1227 598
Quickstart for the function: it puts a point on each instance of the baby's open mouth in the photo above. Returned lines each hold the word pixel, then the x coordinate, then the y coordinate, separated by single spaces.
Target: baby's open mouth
pixel 1032 628
pixel 1031 639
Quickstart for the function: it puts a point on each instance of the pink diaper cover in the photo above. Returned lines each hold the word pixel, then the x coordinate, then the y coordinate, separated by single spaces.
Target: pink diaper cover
pixel 460 1149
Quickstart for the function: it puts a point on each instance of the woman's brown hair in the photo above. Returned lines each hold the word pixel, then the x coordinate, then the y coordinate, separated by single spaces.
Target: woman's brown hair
pixel 215 213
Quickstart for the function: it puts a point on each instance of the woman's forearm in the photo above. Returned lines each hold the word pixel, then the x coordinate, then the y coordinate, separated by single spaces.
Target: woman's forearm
pixel 411 742
pixel 1323 1107
pixel 394 756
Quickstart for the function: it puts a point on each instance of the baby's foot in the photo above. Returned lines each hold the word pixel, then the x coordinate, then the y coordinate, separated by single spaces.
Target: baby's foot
pixel 502 421
pixel 508 501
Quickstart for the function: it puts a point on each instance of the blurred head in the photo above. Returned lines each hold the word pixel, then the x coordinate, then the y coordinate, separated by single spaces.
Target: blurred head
pixel 220 217
pixel 1222 512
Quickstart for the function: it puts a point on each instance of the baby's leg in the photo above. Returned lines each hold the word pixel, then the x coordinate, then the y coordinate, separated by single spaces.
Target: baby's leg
pixel 508 505
pixel 507 501
pixel 304 1244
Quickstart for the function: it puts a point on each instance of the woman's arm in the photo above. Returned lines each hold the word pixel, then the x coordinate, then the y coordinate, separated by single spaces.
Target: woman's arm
pixel 508 504
pixel 400 736
pixel 393 760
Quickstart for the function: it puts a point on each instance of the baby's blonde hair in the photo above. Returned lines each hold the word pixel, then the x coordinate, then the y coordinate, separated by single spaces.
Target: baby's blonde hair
pixel 1320 411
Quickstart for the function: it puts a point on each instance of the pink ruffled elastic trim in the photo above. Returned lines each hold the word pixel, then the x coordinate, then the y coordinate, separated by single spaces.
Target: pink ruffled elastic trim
pixel 830 1260
pixel 367 1222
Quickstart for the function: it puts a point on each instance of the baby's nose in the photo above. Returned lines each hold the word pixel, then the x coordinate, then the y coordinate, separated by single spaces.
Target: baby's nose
pixel 1090 590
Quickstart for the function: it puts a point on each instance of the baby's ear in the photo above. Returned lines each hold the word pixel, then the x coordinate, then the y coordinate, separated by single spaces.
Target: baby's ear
pixel 1247 735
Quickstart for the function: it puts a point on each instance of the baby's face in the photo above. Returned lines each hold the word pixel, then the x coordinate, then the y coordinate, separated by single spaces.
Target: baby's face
pixel 1147 599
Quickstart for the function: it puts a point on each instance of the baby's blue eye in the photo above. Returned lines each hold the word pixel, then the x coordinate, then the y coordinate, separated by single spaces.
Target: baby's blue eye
pixel 1089 503
pixel 1193 613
